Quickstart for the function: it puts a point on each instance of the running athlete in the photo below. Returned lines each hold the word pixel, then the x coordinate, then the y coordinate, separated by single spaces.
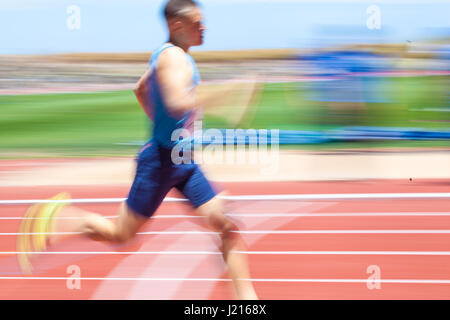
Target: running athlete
pixel 167 94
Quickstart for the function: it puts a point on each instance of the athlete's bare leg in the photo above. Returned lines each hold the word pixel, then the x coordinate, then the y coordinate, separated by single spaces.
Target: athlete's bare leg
pixel 45 219
pixel 99 228
pixel 237 263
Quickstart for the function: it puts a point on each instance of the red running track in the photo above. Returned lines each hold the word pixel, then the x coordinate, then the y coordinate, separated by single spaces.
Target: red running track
pixel 348 237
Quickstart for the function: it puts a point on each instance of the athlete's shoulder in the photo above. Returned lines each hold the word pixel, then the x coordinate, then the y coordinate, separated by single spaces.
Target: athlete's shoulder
pixel 172 56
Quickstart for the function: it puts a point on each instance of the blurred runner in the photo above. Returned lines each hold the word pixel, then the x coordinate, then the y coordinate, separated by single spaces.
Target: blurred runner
pixel 167 94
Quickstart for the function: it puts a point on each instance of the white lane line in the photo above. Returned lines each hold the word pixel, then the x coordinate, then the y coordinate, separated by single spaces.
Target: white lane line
pixel 407 281
pixel 274 215
pixel 94 200
pixel 333 196
pixel 141 233
pixel 55 218
pixel 400 231
pixel 342 231
pixel 377 253
pixel 326 214
pixel 339 196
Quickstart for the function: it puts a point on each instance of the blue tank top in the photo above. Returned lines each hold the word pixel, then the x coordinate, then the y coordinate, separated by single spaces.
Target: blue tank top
pixel 165 123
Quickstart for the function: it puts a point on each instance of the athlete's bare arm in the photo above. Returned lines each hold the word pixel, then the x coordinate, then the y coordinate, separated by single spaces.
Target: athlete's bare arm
pixel 175 79
pixel 142 93
pixel 207 96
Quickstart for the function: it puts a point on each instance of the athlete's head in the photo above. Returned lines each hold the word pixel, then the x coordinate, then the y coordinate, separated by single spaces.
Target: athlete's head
pixel 185 22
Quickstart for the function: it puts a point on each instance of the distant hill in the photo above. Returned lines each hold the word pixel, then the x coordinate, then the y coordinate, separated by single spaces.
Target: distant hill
pixel 200 56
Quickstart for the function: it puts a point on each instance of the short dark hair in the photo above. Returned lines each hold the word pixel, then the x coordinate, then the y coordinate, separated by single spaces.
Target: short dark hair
pixel 174 8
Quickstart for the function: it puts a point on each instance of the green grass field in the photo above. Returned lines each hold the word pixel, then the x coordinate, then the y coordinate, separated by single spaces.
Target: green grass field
pixel 101 124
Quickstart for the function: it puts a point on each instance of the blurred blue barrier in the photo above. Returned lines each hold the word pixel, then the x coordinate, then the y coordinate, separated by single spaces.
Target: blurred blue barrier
pixel 291 137
pixel 345 134
pixel 347 76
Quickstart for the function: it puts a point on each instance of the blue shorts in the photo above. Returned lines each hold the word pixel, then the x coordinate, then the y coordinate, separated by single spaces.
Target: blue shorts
pixel 156 174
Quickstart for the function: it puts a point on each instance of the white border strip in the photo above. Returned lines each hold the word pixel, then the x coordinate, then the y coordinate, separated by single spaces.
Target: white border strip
pixel 331 231
pixel 408 281
pixel 268 215
pixel 374 253
pixel 332 196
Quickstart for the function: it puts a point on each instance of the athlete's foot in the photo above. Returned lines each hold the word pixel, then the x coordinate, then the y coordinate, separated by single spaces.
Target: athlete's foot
pixel 250 296
pixel 35 230
pixel 247 293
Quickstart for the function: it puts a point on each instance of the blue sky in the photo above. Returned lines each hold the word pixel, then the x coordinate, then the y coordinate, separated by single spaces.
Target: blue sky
pixel 40 26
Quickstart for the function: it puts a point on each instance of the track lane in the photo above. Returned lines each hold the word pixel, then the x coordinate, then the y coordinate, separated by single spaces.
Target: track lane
pixel 263 266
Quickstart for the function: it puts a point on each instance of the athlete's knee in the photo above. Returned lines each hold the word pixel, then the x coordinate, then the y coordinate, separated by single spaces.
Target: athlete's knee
pixel 229 234
pixel 229 229
pixel 122 236
pixel 127 224
pixel 219 222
